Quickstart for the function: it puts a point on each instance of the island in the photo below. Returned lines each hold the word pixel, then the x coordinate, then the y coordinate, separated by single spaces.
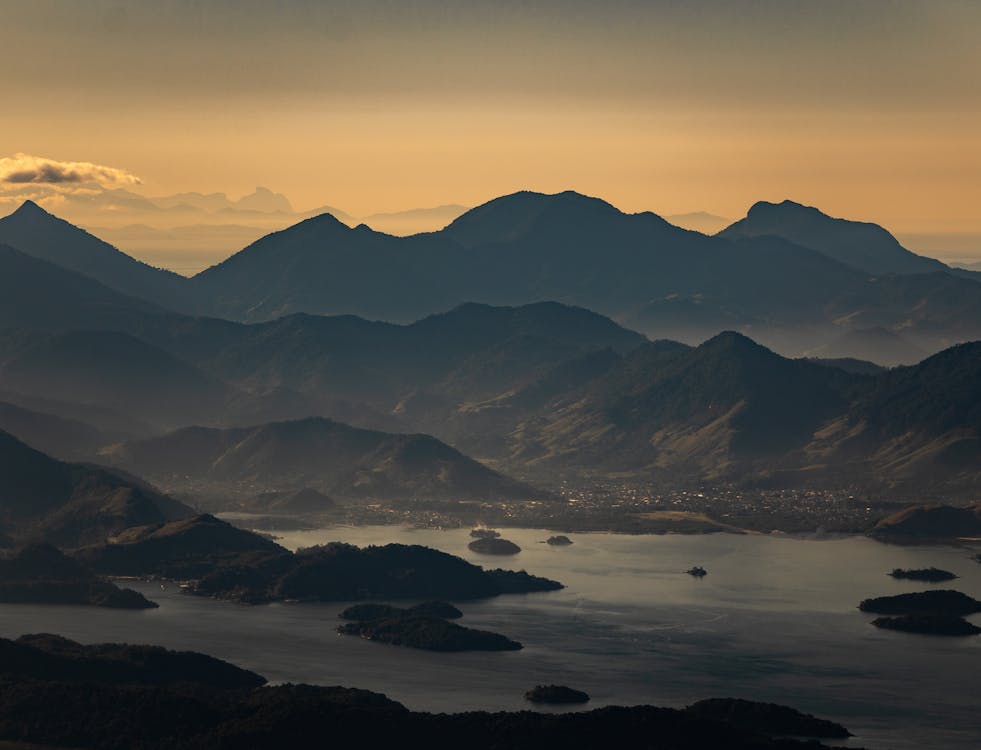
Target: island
pixel 429 633
pixel 42 574
pixel 697 571
pixel 928 624
pixel 930 575
pixel 57 693
pixel 556 695
pixel 558 541
pixel 938 602
pixel 485 534
pixel 492 546
pixel 767 718
pixel 218 560
pixel 373 611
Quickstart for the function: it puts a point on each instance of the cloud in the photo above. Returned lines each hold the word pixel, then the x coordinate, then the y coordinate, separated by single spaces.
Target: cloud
pixel 22 169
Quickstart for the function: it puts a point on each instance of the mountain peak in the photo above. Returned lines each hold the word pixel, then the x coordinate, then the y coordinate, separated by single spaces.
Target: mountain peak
pixel 733 341
pixel 29 208
pixel 787 208
pixel 859 244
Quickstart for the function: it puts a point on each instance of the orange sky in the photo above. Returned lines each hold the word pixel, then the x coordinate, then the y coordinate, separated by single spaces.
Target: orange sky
pixel 869 110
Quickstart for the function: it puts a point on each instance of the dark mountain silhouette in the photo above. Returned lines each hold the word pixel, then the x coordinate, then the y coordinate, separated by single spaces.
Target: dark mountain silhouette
pixel 319 453
pixel 111 369
pixel 638 268
pixel 862 245
pixel 34 231
pixel 322 266
pixel 72 504
pixel 36 294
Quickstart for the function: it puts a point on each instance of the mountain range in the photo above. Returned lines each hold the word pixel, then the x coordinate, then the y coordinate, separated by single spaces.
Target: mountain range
pixel 786 275
pixel 530 388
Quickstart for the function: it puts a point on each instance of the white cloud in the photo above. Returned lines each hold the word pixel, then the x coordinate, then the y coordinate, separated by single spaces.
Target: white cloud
pixel 24 169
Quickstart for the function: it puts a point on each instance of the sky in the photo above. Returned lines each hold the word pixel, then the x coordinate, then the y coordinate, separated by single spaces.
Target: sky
pixel 869 110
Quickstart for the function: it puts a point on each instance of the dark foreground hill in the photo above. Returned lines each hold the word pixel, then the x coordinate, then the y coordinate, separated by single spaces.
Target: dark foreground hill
pixel 57 693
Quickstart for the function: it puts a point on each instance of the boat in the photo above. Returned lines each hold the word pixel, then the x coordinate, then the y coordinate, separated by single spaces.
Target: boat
pixel 698 571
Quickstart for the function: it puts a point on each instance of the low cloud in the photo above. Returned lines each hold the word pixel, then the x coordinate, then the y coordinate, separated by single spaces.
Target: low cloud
pixel 24 169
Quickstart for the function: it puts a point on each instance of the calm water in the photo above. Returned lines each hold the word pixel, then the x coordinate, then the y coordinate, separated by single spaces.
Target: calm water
pixel 775 619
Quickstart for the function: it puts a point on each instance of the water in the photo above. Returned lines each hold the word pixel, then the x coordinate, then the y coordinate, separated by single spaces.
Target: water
pixel 774 620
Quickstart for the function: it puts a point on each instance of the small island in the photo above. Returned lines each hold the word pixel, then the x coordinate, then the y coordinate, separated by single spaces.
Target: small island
pixel 556 695
pixel 558 541
pixel 429 633
pixel 938 602
pixel 697 571
pixel 929 575
pixel 493 546
pixel 949 625
pixel 485 534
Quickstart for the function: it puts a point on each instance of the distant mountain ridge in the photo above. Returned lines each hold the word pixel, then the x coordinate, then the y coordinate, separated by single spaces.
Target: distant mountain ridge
pixel 864 245
pixel 335 458
pixel 636 268
pixel 34 231
pixel 786 275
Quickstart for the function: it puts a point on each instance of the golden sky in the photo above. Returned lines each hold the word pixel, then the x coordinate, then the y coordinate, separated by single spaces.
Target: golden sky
pixel 869 110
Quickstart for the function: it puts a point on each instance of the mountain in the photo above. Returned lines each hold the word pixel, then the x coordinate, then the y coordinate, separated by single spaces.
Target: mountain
pixel 322 266
pixel 63 438
pixel 880 345
pixel 111 369
pixel 34 231
pixel 471 352
pixel 732 410
pixel 264 200
pixel 919 424
pixel 318 453
pixel 636 268
pixel 718 409
pixel 72 504
pixel 862 245
pixel 36 294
